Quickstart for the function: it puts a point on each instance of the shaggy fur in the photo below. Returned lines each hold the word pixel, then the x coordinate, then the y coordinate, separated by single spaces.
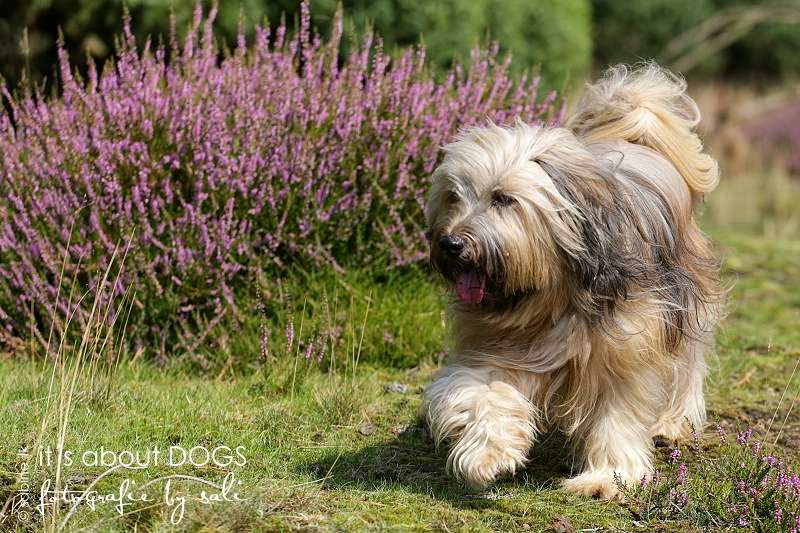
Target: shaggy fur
pixel 587 294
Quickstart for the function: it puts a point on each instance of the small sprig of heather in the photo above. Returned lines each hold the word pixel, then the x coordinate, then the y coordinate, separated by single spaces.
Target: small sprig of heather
pixel 290 335
pixel 730 484
pixel 281 153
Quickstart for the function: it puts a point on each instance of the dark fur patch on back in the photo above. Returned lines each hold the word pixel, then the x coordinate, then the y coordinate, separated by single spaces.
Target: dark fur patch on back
pixel 627 253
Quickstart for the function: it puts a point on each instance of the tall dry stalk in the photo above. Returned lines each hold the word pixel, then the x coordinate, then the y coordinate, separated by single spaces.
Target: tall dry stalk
pixel 82 364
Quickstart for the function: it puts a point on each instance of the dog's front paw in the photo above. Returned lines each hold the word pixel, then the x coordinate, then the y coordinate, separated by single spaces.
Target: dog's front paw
pixel 480 466
pixel 600 484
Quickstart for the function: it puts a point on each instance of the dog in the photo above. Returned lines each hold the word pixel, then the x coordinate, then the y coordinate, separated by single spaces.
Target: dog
pixel 585 295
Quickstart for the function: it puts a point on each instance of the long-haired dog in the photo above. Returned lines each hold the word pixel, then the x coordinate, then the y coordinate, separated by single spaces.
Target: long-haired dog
pixel 586 294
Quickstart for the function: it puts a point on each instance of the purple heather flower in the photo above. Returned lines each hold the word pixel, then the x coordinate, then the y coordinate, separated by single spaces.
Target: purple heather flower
pixel 679 497
pixel 656 477
pixel 321 353
pixel 335 334
pixel 756 448
pixel 683 470
pixel 264 342
pixel 744 437
pixel 290 334
pixel 309 348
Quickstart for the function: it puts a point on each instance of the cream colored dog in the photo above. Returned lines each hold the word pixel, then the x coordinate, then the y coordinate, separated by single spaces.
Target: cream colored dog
pixel 586 294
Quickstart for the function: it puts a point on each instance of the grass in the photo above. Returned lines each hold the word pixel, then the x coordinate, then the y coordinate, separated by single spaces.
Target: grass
pixel 405 311
pixel 331 447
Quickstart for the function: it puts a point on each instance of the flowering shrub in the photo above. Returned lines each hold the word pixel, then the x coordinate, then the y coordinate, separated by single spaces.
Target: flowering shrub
pixel 281 152
pixel 736 484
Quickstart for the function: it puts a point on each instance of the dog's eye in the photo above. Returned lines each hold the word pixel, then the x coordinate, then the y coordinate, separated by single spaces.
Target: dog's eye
pixel 451 198
pixel 501 200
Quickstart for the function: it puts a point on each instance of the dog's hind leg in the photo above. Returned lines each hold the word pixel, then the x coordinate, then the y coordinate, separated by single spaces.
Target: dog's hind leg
pixel 488 422
pixel 686 409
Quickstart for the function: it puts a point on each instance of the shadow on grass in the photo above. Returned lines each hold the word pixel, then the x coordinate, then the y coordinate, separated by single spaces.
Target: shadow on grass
pixel 410 461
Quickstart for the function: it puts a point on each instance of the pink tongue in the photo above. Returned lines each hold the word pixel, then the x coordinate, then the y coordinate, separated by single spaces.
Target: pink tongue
pixel 470 285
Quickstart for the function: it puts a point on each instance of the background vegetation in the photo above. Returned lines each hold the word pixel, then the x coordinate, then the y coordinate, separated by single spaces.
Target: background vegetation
pixel 555 36
pixel 763 35
pixel 563 39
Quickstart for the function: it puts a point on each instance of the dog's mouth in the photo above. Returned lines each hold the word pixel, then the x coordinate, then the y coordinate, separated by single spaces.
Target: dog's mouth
pixel 471 286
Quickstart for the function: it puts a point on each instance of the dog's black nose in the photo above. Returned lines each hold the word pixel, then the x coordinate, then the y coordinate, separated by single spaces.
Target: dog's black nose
pixel 452 244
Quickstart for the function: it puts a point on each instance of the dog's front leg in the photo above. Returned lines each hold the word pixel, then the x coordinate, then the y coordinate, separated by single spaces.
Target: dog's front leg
pixel 614 441
pixel 487 421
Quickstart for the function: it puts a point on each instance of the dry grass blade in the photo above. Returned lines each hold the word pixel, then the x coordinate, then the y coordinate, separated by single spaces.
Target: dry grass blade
pixel 791 406
pixel 723 29
pixel 76 366
pixel 783 395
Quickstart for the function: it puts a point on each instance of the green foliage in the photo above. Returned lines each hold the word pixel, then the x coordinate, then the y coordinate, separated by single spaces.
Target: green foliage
pixel 771 48
pixel 628 31
pixel 90 27
pixel 393 319
pixel 556 35
pixel 552 35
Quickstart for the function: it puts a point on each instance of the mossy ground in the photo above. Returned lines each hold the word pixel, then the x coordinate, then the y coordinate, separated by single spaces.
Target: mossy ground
pixel 336 450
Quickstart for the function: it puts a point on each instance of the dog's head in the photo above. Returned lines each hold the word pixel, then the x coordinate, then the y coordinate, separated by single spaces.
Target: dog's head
pixel 518 211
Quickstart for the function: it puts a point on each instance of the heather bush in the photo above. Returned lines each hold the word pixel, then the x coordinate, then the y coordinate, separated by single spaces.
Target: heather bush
pixel 737 483
pixel 218 167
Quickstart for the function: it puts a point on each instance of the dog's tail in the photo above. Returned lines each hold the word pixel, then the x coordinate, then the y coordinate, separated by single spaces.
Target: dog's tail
pixel 648 105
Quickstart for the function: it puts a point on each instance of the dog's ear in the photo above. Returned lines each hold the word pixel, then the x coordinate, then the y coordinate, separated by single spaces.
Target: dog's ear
pixel 602 267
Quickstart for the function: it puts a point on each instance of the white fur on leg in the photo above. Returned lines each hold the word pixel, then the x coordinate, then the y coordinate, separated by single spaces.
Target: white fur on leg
pixel 617 445
pixel 623 457
pixel 687 406
pixel 488 422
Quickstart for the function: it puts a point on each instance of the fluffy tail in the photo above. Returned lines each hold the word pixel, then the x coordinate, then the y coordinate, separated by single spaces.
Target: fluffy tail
pixel 649 106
